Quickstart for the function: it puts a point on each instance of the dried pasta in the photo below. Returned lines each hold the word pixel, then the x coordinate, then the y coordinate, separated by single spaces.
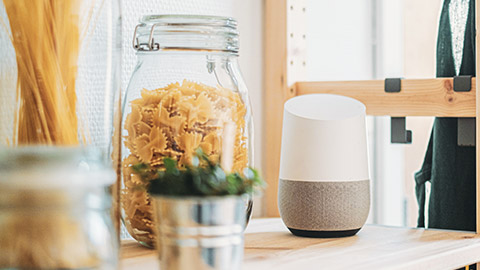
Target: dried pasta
pixel 173 122
pixel 40 234
pixel 46 38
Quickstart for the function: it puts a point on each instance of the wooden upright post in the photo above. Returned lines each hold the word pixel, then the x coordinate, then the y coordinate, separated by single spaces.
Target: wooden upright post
pixel 285 63
pixel 276 90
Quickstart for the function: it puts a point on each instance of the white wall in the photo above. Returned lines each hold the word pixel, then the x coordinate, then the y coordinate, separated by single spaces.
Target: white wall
pixel 389 168
pixel 339 36
pixel 249 14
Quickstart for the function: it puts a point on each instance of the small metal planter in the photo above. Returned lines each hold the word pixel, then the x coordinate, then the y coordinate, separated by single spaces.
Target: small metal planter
pixel 200 232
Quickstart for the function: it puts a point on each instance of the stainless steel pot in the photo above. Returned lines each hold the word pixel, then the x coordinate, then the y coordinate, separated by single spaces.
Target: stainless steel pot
pixel 200 232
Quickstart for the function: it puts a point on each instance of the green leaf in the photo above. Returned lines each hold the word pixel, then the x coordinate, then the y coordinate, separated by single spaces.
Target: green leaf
pixel 170 166
pixel 203 178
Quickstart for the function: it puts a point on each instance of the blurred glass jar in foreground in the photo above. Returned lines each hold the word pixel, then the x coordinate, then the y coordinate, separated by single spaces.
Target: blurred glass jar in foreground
pixel 55 210
pixel 58 72
pixel 186 88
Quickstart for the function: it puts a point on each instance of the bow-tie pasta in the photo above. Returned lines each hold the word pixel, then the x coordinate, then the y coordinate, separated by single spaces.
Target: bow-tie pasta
pixel 173 122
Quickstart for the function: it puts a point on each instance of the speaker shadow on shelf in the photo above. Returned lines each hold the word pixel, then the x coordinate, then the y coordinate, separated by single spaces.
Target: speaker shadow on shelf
pixel 324 234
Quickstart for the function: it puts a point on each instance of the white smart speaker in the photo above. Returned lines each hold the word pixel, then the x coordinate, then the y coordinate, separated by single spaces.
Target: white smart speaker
pixel 324 185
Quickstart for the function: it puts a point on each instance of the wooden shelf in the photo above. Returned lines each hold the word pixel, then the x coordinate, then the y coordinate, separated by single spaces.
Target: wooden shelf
pixel 418 97
pixel 269 245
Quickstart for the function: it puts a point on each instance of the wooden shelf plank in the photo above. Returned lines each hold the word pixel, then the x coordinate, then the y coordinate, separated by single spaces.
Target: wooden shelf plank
pixel 135 256
pixel 418 97
pixel 269 245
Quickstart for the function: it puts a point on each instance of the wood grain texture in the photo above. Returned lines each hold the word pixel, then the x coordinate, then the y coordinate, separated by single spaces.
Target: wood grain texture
pixel 269 245
pixel 285 63
pixel 276 90
pixel 135 256
pixel 418 97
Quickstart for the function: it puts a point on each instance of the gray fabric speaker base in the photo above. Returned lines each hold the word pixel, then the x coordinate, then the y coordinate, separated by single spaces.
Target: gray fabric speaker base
pixel 324 234
pixel 324 206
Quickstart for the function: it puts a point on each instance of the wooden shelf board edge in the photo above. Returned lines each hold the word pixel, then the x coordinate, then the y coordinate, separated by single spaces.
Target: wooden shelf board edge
pixel 418 97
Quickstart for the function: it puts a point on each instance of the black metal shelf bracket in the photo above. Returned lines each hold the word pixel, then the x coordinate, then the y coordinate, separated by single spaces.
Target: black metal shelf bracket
pixel 462 83
pixel 393 85
pixel 466 131
pixel 466 127
pixel 398 131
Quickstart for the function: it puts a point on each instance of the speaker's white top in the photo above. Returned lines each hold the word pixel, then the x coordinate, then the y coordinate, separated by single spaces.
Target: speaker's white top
pixel 324 139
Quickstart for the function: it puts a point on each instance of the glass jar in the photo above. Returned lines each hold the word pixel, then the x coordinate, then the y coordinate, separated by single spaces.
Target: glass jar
pixel 55 210
pixel 186 88
pixel 59 74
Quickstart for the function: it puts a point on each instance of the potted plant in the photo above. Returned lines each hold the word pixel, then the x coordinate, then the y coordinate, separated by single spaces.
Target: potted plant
pixel 199 212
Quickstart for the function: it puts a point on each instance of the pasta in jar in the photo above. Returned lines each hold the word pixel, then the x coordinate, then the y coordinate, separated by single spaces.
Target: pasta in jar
pixel 185 93
pixel 173 122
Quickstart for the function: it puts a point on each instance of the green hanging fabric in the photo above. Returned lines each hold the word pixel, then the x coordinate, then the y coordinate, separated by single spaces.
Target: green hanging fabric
pixel 449 168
